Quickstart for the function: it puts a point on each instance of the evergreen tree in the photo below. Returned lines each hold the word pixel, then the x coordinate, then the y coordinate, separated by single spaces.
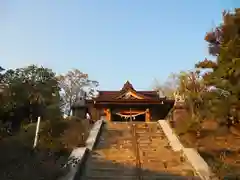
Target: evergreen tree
pixel 224 74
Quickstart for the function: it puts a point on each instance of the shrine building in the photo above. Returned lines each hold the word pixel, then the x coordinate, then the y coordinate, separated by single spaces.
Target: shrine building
pixel 131 105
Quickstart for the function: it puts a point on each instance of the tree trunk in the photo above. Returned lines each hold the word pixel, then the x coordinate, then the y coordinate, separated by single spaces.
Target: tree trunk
pixel 69 112
pixel 70 107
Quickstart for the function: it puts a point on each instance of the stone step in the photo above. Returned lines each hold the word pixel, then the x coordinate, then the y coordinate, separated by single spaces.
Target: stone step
pixel 158 142
pixel 119 164
pixel 116 159
pixel 151 148
pixel 147 135
pixel 151 143
pixel 151 132
pixel 144 137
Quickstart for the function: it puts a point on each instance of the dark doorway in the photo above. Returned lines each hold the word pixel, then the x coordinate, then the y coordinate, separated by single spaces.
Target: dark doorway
pixel 117 118
pixel 140 118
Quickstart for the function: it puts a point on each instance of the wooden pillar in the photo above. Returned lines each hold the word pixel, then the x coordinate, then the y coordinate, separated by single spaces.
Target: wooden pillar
pixel 147 115
pixel 108 114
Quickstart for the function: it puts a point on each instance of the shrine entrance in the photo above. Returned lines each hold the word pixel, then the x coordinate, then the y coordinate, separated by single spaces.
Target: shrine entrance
pixel 128 104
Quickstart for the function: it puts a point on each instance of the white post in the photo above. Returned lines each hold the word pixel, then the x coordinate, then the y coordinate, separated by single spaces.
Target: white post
pixel 36 134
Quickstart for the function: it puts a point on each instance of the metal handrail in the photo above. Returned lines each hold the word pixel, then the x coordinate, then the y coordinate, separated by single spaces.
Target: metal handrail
pixel 136 151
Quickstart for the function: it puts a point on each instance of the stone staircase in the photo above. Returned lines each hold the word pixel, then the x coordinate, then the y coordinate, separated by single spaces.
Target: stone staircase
pixel 112 157
pixel 157 159
pixel 134 151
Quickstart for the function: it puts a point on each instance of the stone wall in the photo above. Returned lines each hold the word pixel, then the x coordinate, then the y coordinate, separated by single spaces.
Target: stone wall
pixel 80 112
pixel 179 114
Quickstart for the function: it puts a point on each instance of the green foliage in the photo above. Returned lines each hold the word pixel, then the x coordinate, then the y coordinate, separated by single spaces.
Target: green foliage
pixel 34 91
pixel 29 92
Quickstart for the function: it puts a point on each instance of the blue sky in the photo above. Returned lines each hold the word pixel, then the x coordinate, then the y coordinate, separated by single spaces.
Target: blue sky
pixel 111 40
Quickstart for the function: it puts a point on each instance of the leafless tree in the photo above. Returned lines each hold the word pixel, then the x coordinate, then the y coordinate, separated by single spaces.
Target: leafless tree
pixel 72 85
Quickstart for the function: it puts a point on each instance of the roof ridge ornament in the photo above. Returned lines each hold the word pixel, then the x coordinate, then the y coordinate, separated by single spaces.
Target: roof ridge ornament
pixel 127 86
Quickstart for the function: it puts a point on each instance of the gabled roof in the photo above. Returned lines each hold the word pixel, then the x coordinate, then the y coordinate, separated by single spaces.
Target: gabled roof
pixel 127 89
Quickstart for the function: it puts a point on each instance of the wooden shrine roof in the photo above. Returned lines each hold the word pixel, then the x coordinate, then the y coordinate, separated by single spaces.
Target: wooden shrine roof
pixel 112 95
pixel 129 94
